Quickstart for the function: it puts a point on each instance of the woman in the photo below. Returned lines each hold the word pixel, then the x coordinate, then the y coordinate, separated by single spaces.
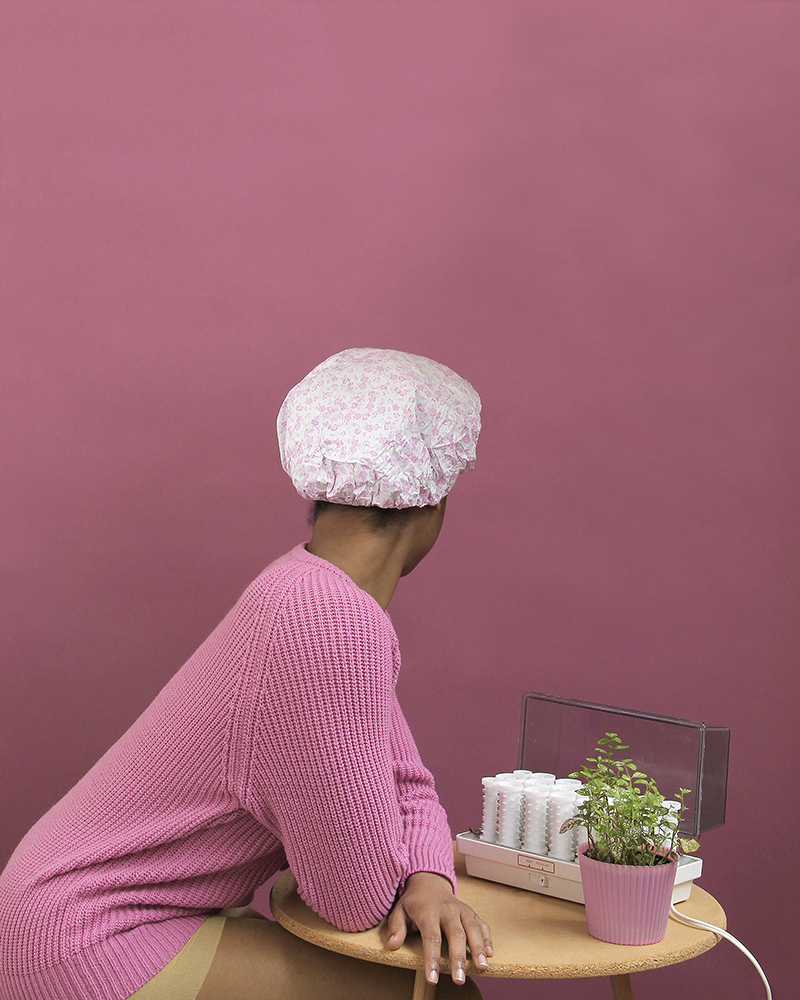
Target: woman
pixel 279 741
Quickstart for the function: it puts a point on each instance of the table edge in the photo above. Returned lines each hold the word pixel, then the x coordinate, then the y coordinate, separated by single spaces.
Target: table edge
pixel 409 956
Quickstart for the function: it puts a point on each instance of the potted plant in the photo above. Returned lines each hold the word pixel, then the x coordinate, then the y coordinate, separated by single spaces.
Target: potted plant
pixel 629 861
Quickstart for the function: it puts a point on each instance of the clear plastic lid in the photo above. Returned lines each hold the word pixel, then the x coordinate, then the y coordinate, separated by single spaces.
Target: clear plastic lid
pixel 558 734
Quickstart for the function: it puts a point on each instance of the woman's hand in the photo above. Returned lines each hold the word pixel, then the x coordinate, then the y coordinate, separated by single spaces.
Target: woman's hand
pixel 429 906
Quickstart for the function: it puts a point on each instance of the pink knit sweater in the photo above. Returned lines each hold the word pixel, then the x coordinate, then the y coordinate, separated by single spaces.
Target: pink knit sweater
pixel 279 741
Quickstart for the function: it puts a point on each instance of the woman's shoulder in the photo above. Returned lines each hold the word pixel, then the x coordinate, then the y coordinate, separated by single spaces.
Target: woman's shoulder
pixel 304 583
pixel 314 625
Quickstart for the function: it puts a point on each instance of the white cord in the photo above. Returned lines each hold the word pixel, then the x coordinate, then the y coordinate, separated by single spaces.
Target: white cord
pixel 728 937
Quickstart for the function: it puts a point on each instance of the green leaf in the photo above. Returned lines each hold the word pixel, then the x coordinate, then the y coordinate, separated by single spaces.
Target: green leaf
pixel 622 808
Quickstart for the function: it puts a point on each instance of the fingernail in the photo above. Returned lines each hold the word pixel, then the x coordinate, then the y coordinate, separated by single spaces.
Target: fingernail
pixel 458 976
pixel 481 962
pixel 433 976
pixel 489 950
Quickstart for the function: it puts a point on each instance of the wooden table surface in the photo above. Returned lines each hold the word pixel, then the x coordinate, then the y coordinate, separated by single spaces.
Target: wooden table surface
pixel 534 936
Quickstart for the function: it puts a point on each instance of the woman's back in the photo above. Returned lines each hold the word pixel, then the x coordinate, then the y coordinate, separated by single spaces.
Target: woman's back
pixel 187 813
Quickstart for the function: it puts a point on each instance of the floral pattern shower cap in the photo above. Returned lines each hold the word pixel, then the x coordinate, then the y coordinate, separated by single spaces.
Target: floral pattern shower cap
pixel 372 427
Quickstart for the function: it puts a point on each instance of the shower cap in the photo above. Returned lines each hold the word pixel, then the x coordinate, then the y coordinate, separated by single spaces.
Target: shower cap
pixel 372 427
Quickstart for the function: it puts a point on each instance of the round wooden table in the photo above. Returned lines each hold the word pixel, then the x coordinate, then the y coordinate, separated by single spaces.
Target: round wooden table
pixel 534 936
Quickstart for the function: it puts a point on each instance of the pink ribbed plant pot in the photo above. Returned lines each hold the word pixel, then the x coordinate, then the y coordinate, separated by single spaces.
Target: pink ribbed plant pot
pixel 626 904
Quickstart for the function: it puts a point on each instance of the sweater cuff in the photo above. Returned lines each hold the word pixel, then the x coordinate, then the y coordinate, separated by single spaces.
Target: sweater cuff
pixel 439 862
pixel 450 876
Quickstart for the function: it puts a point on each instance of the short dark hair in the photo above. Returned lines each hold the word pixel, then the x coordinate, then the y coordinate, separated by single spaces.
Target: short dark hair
pixel 380 518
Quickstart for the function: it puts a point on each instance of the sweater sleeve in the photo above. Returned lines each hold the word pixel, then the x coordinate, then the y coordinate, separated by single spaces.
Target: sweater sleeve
pixel 333 770
pixel 426 831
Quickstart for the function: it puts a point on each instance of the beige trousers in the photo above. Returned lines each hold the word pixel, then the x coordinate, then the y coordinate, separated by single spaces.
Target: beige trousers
pixel 182 977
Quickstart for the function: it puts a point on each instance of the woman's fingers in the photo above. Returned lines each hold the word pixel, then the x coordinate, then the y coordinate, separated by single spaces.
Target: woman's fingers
pixel 397 925
pixel 454 929
pixel 431 948
pixel 461 928
pixel 428 904
pixel 479 938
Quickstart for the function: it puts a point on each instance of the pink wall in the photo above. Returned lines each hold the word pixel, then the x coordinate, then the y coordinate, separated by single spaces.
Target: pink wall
pixel 590 210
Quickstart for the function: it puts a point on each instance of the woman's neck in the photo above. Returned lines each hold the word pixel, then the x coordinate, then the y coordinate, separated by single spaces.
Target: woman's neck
pixel 372 559
pixel 375 558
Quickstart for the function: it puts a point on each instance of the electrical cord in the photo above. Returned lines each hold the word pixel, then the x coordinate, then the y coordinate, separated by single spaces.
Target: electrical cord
pixel 728 937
